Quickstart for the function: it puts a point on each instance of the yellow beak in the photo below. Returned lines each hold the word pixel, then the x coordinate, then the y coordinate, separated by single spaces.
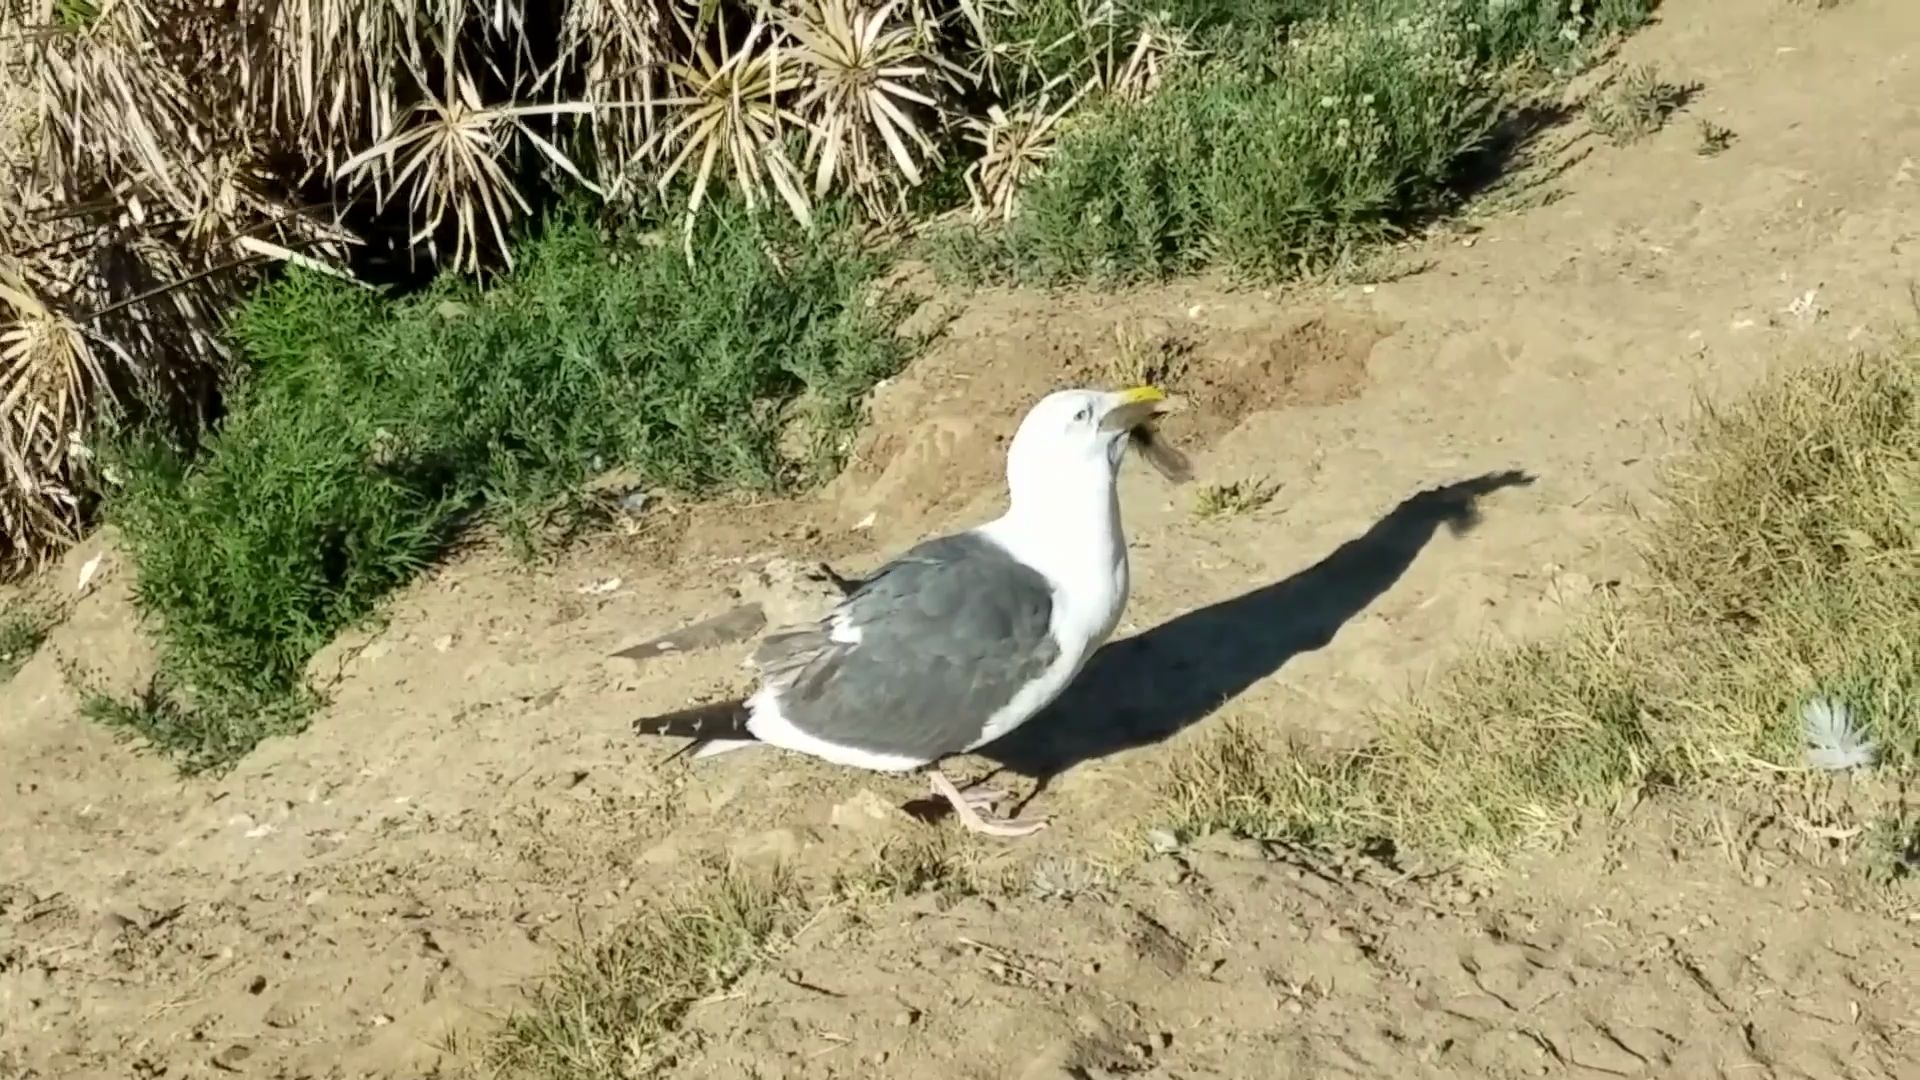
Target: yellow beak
pixel 1128 409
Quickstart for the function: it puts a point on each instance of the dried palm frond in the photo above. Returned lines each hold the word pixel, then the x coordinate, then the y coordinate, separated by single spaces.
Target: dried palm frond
pixel 328 72
pixel 50 379
pixel 1013 146
pixel 127 121
pixel 335 72
pixel 17 109
pixel 450 152
pixel 619 50
pixel 734 102
pixel 862 64
pixel 111 106
pixel 1158 45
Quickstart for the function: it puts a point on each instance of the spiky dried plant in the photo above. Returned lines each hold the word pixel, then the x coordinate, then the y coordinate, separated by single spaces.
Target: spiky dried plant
pixel 1098 44
pixel 867 104
pixel 734 99
pixel 50 377
pixel 128 196
pixel 138 106
pixel 175 143
pixel 451 154
pixel 1014 145
pixel 340 74
pixel 618 51
pixel 1007 65
pixel 1158 46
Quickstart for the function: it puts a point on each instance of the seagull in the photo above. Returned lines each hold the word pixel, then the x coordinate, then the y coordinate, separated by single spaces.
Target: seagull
pixel 963 637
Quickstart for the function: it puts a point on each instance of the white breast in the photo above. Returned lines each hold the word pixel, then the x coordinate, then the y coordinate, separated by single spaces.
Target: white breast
pixel 1089 595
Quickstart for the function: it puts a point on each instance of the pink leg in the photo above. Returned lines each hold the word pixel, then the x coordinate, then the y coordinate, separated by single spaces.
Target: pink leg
pixel 966 807
pixel 982 798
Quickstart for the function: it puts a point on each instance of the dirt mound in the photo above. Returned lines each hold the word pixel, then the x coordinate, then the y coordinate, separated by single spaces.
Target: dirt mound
pixel 935 448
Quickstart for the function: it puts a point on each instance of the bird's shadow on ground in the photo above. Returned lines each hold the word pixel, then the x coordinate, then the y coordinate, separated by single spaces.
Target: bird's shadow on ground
pixel 1147 688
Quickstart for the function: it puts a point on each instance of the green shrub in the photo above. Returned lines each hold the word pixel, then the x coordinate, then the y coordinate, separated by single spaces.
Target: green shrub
pixel 367 432
pixel 1272 159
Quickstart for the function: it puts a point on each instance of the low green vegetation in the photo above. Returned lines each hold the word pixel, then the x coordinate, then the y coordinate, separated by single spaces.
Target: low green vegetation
pixel 1784 570
pixel 1638 104
pixel 23 627
pixel 365 434
pixel 1714 139
pixel 1310 133
pixel 1234 497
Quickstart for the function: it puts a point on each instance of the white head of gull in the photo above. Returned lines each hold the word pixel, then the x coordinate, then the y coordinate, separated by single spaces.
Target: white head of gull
pixel 964 637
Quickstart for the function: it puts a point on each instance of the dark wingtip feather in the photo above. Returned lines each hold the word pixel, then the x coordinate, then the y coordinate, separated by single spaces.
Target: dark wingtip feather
pixel 736 624
pixel 714 720
pixel 699 725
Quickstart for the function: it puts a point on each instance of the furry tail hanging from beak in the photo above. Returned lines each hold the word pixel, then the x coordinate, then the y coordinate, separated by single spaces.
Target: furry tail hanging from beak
pixel 1135 412
pixel 1160 454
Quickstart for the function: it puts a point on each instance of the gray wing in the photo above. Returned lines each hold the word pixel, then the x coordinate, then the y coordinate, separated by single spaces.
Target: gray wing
pixel 949 632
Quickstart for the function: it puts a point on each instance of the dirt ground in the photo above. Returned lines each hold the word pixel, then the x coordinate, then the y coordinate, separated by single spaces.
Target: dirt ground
pixel 472 799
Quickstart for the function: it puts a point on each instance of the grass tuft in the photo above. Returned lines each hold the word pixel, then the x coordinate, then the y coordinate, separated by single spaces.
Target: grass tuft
pixel 613 1010
pixel 901 868
pixel 1786 566
pixel 200 731
pixel 1893 848
pixel 23 627
pixel 1714 139
pixel 1146 357
pixel 368 433
pixel 1636 105
pixel 1233 498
